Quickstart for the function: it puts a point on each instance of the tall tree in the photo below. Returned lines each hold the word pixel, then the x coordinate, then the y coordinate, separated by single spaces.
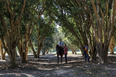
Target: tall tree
pixel 91 19
pixel 10 17
pixel 104 24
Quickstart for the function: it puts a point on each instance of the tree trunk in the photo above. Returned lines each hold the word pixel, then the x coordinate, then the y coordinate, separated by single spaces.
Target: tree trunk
pixel 102 52
pixel 24 51
pixel 23 58
pixel 34 53
pixel 1 50
pixel 1 53
pixel 47 51
pixel 12 57
pixel 22 48
pixel 93 54
pixel 11 45
pixel 111 46
pixel 43 52
pixel 3 56
pixel 26 43
pixel 82 51
pixel 38 41
pixel 105 56
pixel 23 54
pixel 39 49
pixel 40 46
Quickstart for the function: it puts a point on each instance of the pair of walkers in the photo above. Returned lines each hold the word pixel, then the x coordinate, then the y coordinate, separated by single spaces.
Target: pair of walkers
pixel 61 44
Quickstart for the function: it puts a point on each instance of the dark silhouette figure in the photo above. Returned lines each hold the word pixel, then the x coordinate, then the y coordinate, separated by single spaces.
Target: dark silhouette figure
pixel 60 51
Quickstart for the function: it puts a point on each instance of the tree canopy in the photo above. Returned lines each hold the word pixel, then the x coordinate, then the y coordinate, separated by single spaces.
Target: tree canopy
pixel 30 23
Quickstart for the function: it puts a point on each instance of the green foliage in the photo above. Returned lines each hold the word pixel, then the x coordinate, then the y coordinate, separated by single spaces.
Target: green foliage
pixel 69 39
pixel 48 43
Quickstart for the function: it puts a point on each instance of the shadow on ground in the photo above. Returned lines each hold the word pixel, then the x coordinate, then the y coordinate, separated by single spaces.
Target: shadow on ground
pixel 47 66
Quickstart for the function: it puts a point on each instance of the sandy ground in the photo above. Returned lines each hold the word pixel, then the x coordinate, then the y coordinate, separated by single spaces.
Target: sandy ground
pixel 47 66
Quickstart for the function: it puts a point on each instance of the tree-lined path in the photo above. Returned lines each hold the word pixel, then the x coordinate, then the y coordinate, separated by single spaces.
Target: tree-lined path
pixel 35 26
pixel 47 66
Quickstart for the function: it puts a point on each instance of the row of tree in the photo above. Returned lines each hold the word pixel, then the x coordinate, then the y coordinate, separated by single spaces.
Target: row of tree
pixel 23 24
pixel 90 21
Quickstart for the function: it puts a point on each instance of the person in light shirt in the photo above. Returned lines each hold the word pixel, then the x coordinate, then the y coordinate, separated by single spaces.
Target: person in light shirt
pixel 60 43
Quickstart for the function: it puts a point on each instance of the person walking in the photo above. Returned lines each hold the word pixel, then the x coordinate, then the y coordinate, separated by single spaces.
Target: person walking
pixel 65 52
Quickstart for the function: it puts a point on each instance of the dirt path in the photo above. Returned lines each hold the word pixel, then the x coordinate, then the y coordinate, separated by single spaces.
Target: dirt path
pixel 47 66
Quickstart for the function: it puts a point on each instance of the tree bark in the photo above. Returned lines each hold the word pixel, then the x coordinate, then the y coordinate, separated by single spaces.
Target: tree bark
pixel 47 51
pixel 3 56
pixel 3 53
pixel 38 41
pixel 82 51
pixel 93 54
pixel 11 34
pixel 1 50
pixel 12 57
pixel 104 31
pixel 21 48
pixel 34 53
pixel 102 50
pixel 43 52
pixel 26 43
pixel 111 46
pixel 40 46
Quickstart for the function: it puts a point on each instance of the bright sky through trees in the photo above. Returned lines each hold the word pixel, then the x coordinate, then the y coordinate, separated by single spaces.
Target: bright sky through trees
pixel 57 26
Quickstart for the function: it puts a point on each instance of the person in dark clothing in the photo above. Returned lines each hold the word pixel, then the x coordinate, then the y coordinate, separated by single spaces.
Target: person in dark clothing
pixel 86 55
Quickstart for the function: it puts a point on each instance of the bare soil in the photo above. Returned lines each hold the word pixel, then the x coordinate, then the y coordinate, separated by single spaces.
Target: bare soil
pixel 47 66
